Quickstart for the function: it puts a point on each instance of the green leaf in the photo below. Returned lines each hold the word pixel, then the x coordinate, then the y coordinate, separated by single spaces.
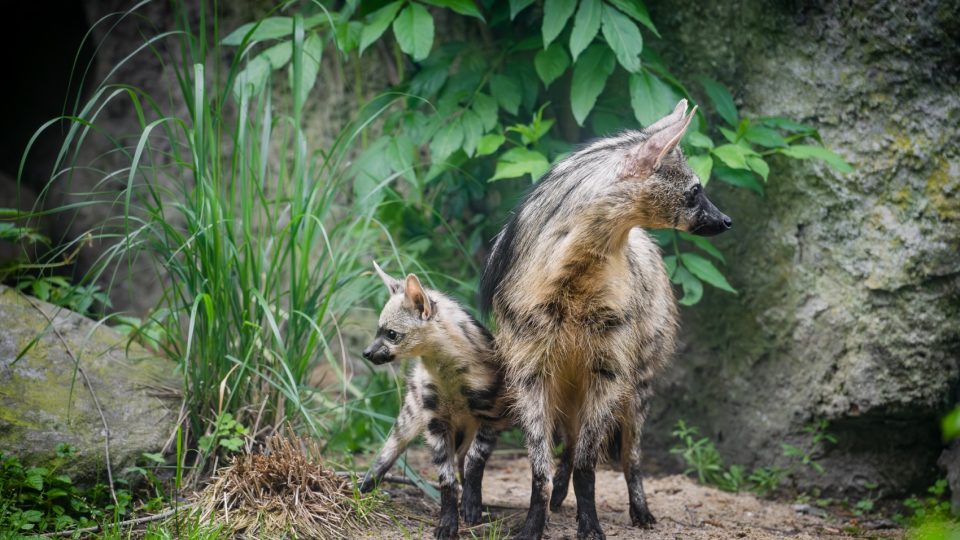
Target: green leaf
pixel 721 99
pixel 951 425
pixel 257 71
pixel 650 97
pixel 516 6
pixel 636 10
pixel 704 244
pixel 489 144
pixel 379 21
pixel 486 108
pixel 550 63
pixel 447 140
pixel 348 35
pixel 555 15
pixel 738 177
pixel 759 166
pixel 312 52
pixel 472 131
pixel 589 77
pixel 786 124
pixel 520 161
pixel 413 29
pixel 585 26
pixel 764 137
pixel 156 457
pixel 399 154
pixel 705 270
pixel 624 38
pixel 702 166
pixel 806 151
pixel 507 92
pixel 34 478
pixel 692 287
pixel 733 155
pixel 270 28
pixel 32 516
pixel 463 7
pixel 699 140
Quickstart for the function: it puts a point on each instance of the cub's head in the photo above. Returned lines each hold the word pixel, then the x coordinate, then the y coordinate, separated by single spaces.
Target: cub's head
pixel 668 193
pixel 404 320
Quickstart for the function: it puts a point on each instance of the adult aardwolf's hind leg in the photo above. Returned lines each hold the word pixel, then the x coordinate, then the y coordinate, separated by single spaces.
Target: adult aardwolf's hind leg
pixel 634 415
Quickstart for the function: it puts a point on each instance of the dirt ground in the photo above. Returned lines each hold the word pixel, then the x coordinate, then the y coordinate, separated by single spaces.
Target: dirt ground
pixel 683 508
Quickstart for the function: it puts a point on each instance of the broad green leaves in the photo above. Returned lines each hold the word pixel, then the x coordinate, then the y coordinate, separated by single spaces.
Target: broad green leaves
pixel 312 53
pixel 463 7
pixel 379 20
pixel 590 75
pixel 550 63
pixel 507 93
pixel 520 161
pixel 806 151
pixel 702 166
pixel 555 16
pixel 650 97
pixel 722 100
pixel 270 28
pixel 413 29
pixel 623 37
pixel 585 26
pixel 637 11
pixel 705 270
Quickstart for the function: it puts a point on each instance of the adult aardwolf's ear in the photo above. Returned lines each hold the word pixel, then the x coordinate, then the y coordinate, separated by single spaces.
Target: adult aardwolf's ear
pixel 669 119
pixel 417 297
pixel 642 160
pixel 393 285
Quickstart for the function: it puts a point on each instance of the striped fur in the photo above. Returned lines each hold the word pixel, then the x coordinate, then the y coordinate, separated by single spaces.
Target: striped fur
pixel 454 393
pixel 585 312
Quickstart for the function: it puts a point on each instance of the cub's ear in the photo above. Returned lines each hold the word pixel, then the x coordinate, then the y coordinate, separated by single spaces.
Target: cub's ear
pixel 417 298
pixel 645 158
pixel 393 285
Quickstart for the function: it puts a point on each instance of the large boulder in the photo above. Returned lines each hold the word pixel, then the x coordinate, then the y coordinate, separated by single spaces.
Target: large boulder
pixel 45 400
pixel 849 304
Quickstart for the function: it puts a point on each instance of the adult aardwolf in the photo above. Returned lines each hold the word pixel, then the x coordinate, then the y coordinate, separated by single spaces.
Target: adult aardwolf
pixel 586 316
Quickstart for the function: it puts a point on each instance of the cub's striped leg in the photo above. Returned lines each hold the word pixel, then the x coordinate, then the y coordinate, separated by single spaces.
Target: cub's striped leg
pixel 440 438
pixel 630 456
pixel 471 504
pixel 409 424
pixel 535 414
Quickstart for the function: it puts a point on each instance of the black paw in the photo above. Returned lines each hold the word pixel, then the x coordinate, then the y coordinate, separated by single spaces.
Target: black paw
pixel 532 530
pixel 641 517
pixel 557 497
pixel 445 531
pixel 471 510
pixel 589 531
pixel 367 485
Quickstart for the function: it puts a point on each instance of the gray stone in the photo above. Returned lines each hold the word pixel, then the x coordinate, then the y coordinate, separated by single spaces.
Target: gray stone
pixel 849 283
pixel 45 401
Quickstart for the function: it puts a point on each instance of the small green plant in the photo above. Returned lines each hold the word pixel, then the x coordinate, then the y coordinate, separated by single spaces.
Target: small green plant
pixel 36 500
pixel 934 506
pixel 703 458
pixel 227 434
pixel 59 291
pixel 807 453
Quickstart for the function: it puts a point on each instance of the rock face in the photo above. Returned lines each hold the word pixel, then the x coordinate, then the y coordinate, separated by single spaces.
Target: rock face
pixel 44 401
pixel 849 304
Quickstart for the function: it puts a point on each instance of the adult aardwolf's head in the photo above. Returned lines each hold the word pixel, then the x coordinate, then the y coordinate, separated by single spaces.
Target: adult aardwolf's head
pixel 666 191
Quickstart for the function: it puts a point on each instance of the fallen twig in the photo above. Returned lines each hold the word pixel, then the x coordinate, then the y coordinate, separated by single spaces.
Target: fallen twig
pixel 137 521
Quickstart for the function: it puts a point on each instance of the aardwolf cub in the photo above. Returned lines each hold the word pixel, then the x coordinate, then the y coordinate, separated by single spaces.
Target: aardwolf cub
pixel 455 392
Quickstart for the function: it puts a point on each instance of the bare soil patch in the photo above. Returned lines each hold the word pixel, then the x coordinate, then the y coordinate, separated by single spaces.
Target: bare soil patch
pixel 683 508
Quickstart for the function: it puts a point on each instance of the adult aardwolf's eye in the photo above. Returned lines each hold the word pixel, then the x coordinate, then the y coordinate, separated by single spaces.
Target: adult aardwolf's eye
pixel 691 196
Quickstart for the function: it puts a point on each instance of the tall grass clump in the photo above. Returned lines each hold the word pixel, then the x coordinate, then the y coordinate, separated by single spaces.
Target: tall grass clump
pixel 251 226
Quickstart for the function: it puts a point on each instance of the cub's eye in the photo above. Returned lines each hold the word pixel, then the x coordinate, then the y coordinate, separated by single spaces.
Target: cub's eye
pixel 391 335
pixel 695 190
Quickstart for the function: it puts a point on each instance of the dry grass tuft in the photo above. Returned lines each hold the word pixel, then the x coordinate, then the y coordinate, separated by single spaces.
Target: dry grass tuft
pixel 284 492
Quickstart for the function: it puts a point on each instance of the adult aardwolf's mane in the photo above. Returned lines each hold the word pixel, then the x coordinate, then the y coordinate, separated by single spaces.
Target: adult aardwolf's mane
pixel 548 196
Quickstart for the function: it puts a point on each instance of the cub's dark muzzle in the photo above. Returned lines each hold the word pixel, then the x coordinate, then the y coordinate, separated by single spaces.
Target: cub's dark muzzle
pixel 378 353
pixel 710 220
